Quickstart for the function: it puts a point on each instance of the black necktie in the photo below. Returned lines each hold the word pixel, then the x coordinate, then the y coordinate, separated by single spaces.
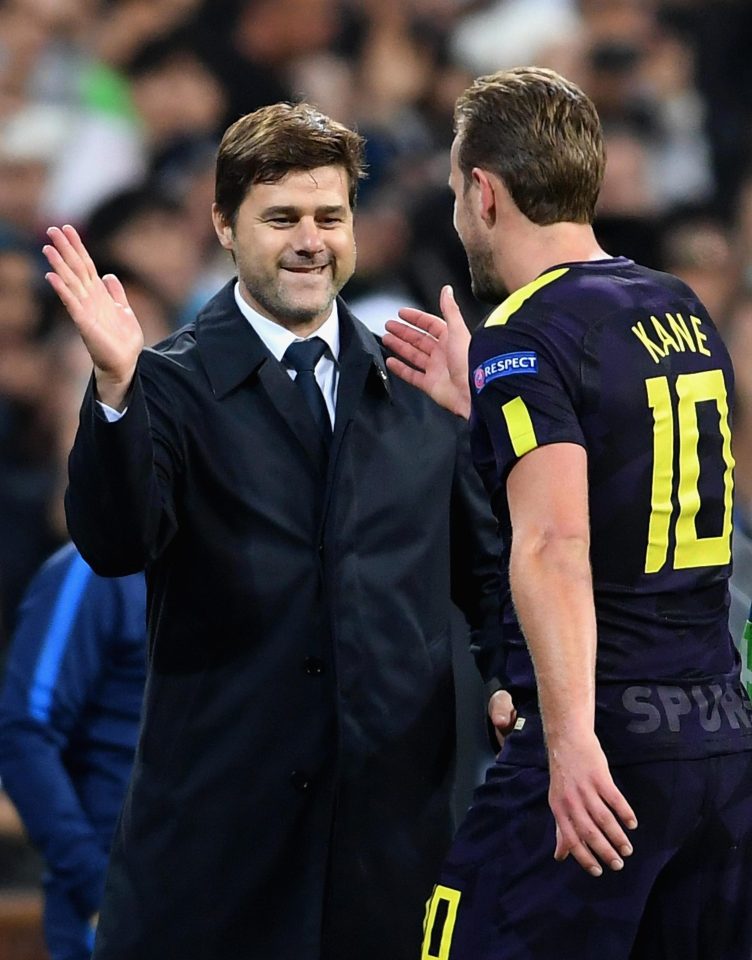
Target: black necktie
pixel 302 356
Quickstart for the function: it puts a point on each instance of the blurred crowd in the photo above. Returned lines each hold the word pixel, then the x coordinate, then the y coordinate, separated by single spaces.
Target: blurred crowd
pixel 111 111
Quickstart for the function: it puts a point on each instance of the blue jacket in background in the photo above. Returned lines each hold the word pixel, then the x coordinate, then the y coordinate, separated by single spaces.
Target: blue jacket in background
pixel 69 714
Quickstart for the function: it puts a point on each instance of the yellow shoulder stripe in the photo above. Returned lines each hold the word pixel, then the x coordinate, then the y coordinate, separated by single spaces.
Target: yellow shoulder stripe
pixel 515 300
pixel 520 426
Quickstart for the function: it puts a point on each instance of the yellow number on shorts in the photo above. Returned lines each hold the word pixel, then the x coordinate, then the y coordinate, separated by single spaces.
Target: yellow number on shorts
pixel 690 550
pixel 441 916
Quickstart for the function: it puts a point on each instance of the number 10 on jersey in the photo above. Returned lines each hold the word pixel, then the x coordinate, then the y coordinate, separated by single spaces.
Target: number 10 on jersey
pixel 680 412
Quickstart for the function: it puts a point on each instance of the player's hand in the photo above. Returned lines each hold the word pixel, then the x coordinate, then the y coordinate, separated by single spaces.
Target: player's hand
pixel 502 714
pixel 433 357
pixel 100 310
pixel 590 811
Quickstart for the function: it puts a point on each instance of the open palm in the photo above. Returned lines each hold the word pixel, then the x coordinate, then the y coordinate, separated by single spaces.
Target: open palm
pixel 431 353
pixel 99 308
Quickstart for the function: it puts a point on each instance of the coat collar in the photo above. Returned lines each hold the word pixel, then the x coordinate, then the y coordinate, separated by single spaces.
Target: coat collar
pixel 357 341
pixel 232 351
pixel 230 348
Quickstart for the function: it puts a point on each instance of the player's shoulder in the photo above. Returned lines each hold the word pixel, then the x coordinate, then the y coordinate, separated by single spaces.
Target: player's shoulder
pixel 553 303
pixel 528 302
pixel 572 296
pixel 529 320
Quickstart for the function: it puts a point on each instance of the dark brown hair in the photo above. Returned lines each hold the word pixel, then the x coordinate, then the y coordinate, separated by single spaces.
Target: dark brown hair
pixel 264 146
pixel 541 135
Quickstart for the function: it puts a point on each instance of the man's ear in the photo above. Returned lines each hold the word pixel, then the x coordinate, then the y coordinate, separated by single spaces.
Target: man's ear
pixel 487 195
pixel 222 228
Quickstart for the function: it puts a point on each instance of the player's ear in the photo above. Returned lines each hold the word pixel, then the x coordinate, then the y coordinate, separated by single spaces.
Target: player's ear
pixel 222 228
pixel 487 196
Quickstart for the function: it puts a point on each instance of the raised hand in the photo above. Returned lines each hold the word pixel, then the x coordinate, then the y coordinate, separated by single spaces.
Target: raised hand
pixel 433 357
pixel 99 308
pixel 589 809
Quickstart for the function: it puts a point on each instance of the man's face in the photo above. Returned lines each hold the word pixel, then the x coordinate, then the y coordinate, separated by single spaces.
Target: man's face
pixel 293 245
pixel 485 283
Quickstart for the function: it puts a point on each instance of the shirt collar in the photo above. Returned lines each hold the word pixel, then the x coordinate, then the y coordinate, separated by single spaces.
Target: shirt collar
pixel 277 338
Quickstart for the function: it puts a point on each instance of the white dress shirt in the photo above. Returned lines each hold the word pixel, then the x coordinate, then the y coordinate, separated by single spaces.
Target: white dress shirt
pixel 277 339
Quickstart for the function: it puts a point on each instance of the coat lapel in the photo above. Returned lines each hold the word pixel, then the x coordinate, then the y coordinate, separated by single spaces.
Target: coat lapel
pixel 234 354
pixel 361 363
pixel 291 406
pixel 361 368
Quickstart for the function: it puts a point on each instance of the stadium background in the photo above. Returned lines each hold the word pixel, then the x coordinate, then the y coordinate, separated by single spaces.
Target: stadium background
pixel 110 113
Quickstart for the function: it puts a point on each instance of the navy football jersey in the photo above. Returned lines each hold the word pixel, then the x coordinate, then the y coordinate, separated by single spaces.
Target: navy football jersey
pixel 626 362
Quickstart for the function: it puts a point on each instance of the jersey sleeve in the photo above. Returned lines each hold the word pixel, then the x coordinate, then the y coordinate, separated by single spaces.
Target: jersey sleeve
pixel 524 392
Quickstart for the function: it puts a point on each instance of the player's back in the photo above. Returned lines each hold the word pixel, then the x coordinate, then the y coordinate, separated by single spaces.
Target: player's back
pixel 626 362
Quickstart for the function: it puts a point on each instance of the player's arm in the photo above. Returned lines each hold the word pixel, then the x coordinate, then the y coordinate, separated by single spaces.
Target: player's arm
pixel 552 591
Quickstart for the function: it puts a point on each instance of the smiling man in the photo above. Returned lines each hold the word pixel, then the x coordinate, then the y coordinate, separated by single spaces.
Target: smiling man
pixel 295 280
pixel 303 520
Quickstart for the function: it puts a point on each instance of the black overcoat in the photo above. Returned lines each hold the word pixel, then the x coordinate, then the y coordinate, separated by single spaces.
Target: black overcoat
pixel 290 796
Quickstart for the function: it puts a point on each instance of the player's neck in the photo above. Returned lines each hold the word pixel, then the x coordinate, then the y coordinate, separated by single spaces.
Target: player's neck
pixel 535 249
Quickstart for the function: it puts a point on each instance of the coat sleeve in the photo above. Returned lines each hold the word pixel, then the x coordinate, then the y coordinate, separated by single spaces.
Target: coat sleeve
pixel 120 501
pixel 56 657
pixel 476 561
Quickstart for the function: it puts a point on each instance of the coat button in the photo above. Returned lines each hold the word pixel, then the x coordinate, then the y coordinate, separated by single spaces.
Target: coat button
pixel 300 780
pixel 313 666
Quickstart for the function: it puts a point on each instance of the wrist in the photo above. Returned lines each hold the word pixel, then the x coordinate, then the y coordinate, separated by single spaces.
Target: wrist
pixel 568 735
pixel 112 390
pixel 462 405
pixel 463 410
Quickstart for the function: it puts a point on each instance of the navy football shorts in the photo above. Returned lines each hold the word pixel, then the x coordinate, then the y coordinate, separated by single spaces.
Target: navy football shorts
pixel 684 894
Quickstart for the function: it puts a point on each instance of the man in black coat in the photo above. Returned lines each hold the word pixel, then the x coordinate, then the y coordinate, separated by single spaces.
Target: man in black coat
pixel 303 520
